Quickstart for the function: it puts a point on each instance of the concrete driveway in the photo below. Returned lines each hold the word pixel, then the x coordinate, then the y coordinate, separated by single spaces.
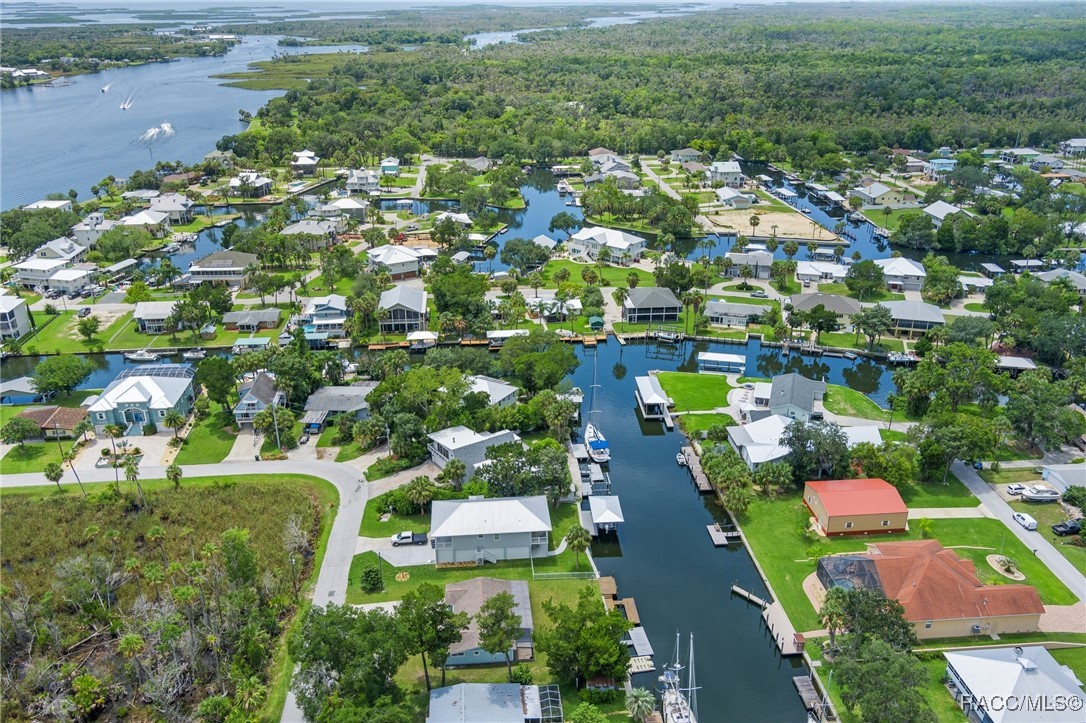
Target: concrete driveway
pixel 403 556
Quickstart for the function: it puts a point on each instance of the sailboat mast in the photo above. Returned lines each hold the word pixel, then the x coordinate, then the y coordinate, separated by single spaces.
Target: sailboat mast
pixel 693 682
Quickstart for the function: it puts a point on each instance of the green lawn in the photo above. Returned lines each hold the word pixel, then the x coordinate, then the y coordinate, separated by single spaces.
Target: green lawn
pixel 851 403
pixel 1073 658
pixel 210 440
pixel 843 290
pixel 694 424
pixel 1048 514
pixel 60 336
pixel 891 222
pixel 746 299
pixel 935 494
pixel 695 391
pixel 892 435
pixel 773 529
pixel 1008 476
pixel 372 526
pixel 7 411
pixel 976 306
pixel 846 340
pixel 350 451
pixel 33 457
pixel 612 275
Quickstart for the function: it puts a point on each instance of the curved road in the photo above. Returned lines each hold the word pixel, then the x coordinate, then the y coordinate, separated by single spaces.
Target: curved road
pixel 331 585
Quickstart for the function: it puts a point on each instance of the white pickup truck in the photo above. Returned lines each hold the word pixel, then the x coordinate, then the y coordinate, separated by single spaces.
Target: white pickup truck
pixel 408 538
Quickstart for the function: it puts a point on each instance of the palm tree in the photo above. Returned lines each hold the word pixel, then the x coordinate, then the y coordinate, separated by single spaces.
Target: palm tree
pixel 173 474
pixel 82 429
pixel 640 702
pixel 115 432
pixel 687 302
pixel 53 473
pixel 454 472
pixel 754 221
pixel 535 280
pixel 489 252
pixel 382 315
pixel 578 540
pixel 632 279
pixel 832 612
pixel 175 420
pixel 132 474
pixel 420 491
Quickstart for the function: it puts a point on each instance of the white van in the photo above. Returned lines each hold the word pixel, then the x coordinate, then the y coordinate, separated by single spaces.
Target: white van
pixel 1025 520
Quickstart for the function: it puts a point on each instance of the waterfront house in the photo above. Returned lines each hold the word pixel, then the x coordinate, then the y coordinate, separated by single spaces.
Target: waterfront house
pixel 651 304
pixel 351 207
pixel 984 680
pixel 339 400
pixel 406 307
pixel 151 316
pixel 251 320
pixel 178 208
pixel 902 274
pixel 724 313
pixel 55 422
pixel 652 400
pixel 855 506
pixel 914 317
pixel 821 271
pixel 1073 147
pixel 940 210
pixel 468 597
pixel 479 164
pixel 623 179
pixel 304 163
pixel 734 198
pixel 223 267
pixel 400 262
pixel 46 260
pixel 760 262
pixel 487 530
pixel 72 279
pixel 495 703
pixel 255 396
pixel 363 182
pixel 249 184
pixel 87 232
pixel 992 271
pixel 20 390
pixel 1015 156
pixel 50 204
pixel 14 318
pixel 225 159
pixel 685 155
pixel 545 305
pixel 1074 278
pixel 727 173
pixel 390 166
pixel 590 240
pixel 141 195
pixel 936 168
pixel 788 395
pixel 545 241
pixel 941 593
pixel 326 315
pixel 465 445
pixel 759 442
pixel 840 305
pixel 498 392
pixel 142 395
pixel 317 234
pixel 879 195
pixel 1023 265
pixel 461 219
pixel 156 223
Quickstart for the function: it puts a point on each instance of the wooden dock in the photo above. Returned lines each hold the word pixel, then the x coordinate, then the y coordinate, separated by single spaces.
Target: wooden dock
pixel 723 537
pixel 785 637
pixel 749 596
pixel 693 463
pixel 630 607
pixel 812 701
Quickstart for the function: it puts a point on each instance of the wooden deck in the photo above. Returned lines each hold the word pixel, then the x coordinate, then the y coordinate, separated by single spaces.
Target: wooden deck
pixel 693 463
pixel 608 587
pixel 788 641
pixel 812 701
pixel 723 537
pixel 628 604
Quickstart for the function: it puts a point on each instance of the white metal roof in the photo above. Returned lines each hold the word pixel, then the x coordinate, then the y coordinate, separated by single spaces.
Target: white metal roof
pixel 503 515
pixel 650 390
pixel 606 510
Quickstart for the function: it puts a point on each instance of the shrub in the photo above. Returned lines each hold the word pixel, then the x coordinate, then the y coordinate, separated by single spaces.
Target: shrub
pixel 175 442
pixel 89 693
pixel 599 697
pixel 522 674
pixel 150 429
pixel 1076 496
pixel 371 579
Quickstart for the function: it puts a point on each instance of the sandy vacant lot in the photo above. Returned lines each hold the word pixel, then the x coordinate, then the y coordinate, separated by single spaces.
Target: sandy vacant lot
pixel 789 225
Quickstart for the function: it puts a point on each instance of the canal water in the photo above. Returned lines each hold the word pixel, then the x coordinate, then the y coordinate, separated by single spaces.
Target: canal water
pixel 73 136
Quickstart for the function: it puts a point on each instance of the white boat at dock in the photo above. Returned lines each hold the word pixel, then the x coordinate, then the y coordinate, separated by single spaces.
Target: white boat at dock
pixel 194 354
pixel 596 443
pixel 679 703
pixel 141 357
pixel 680 459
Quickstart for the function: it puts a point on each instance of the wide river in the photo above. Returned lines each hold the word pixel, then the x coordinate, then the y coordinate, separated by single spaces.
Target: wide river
pixel 73 136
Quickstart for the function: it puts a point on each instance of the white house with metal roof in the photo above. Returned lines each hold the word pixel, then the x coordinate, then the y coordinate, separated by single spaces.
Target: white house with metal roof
pixel 401 262
pixel 760 442
pixel 466 445
pixel 406 307
pixel 487 530
pixel 902 274
pixel 500 393
pixel 939 211
pixel 49 258
pixel 363 182
pixel 591 240
pixel 728 173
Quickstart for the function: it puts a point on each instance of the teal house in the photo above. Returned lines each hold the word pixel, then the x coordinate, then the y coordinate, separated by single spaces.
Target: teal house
pixel 468 597
pixel 142 395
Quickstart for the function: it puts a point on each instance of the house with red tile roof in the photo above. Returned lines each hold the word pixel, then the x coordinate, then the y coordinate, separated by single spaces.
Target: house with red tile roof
pixel 855 506
pixel 941 593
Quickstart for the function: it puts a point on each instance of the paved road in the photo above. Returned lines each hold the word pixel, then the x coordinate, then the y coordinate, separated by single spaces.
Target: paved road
pixel 1057 563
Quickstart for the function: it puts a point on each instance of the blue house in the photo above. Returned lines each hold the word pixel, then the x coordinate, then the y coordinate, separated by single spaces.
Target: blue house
pixel 256 396
pixel 142 395
pixel 19 391
pixel 468 597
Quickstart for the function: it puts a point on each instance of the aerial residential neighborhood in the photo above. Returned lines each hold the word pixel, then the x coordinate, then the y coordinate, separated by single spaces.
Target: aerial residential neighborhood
pixel 607 370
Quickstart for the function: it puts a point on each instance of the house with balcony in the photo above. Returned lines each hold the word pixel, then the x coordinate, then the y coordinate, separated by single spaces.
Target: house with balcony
pixel 760 263
pixel 727 173
pixel 400 262
pixel 223 267
pixel 914 318
pixel 936 168
pixel 225 159
pixel 87 232
pixel 142 395
pixel 390 166
pixel 151 316
pixel 326 315
pixel 251 320
pixel 465 445
pixel 47 260
pixel 651 304
pixel 487 530
pixel 317 234
pixel 249 184
pixel 902 274
pixel 304 163
pixel 14 318
pixel 685 155
pixel 156 223
pixel 176 206
pixel 363 182
pixel 406 307
pixel 255 396
pixel 591 240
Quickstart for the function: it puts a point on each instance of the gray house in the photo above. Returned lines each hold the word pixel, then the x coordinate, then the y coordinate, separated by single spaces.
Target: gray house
pixel 487 530
pixel 789 395
pixel 256 396
pixel 914 317
pixel 465 445
pixel 142 395
pixel 342 400
pixel 760 263
pixel 468 597
pixel 651 303
pixel 406 308
pixel 728 314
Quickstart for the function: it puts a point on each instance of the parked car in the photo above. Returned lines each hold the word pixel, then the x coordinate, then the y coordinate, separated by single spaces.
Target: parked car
pixel 412 227
pixel 1025 520
pixel 1016 489
pixel 1071 527
pixel 408 538
pixel 1040 493
pixel 759 294
pixel 304 438
pixel 85 311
